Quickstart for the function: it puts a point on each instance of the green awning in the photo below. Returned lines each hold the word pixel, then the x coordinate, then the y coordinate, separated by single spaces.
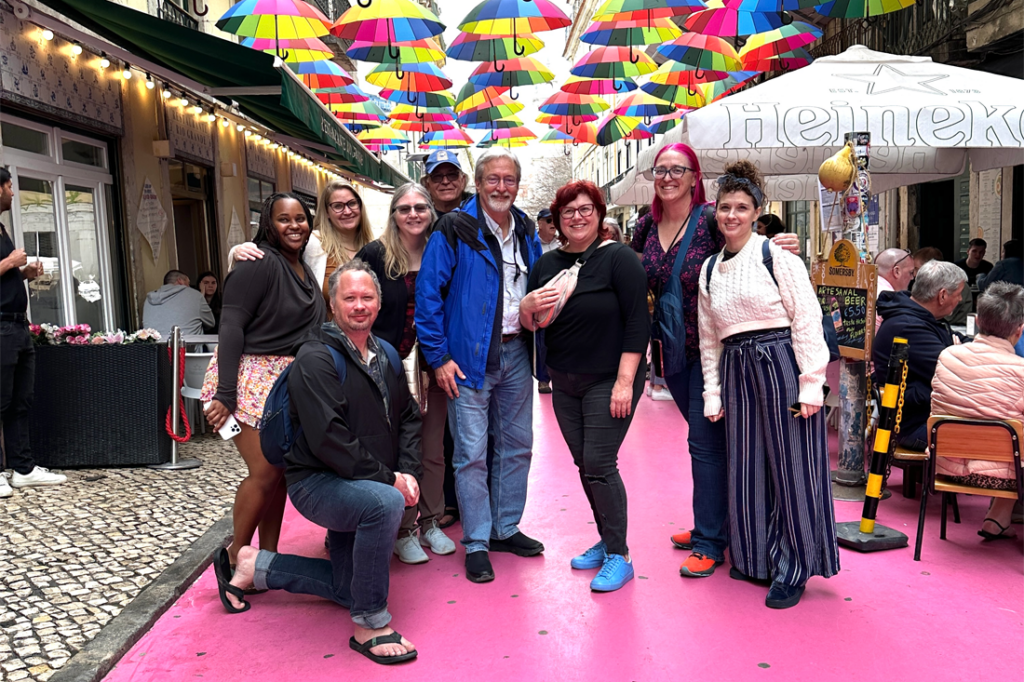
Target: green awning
pixel 218 63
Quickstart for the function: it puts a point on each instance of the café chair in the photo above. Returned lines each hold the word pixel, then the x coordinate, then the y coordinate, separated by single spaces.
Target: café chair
pixel 912 462
pixel 956 437
pixel 196 365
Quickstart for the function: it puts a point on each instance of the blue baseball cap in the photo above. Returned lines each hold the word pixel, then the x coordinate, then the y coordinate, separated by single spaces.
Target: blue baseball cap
pixel 442 156
pixel 544 213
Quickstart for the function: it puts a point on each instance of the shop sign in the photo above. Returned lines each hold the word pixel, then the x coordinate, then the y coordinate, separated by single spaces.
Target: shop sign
pixel 846 293
pixel 191 136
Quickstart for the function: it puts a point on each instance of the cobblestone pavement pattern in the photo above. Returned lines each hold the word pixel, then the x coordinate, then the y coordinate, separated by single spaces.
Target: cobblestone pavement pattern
pixel 75 555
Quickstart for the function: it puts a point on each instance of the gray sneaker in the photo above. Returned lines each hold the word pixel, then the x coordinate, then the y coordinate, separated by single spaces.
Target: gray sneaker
pixel 5 487
pixel 409 551
pixel 38 476
pixel 435 538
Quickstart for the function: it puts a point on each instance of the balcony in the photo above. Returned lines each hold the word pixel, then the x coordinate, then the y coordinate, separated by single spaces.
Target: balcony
pixel 168 11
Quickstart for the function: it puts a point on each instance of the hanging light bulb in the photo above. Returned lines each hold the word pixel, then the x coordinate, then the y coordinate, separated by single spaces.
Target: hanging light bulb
pixel 166 94
pixel 196 109
pixel 248 133
pixel 104 62
pixel 47 34
pixel 211 117
pixel 127 73
pixel 225 122
pixel 240 128
pixel 149 83
pixel 183 102
pixel 76 49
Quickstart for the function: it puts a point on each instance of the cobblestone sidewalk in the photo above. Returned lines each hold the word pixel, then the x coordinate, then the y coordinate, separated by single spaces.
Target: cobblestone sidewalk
pixel 75 555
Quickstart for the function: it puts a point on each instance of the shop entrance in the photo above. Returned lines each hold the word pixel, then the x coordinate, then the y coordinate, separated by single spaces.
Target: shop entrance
pixel 195 230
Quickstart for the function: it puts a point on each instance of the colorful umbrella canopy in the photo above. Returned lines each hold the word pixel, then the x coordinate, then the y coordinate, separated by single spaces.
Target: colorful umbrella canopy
pixel 276 19
pixel 419 99
pixel 448 138
pixel 559 120
pixel 702 52
pixel 422 77
pixel 586 132
pixel 383 134
pixel 712 92
pixel 772 5
pixel 359 111
pixel 343 95
pixel 322 74
pixel 470 97
pixel 510 73
pixel 555 137
pixel 787 61
pixel 613 128
pixel 567 104
pixel 387 21
pixel 474 47
pixel 614 62
pixel 598 86
pixel 647 10
pixel 294 51
pixel 642 105
pixel 680 95
pixel 626 32
pixel 425 50
pixel 509 122
pixel 488 141
pixel 500 109
pixel 520 133
pixel 663 124
pixel 779 41
pixel 722 20
pixel 861 9
pixel 404 112
pixel 423 126
pixel 674 73
pixel 512 17
pixel 377 148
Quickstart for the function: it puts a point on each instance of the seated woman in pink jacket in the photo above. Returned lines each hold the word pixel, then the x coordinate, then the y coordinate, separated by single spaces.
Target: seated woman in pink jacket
pixel 985 380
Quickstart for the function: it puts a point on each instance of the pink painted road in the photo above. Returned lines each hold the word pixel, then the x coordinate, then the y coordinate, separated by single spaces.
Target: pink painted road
pixel 955 613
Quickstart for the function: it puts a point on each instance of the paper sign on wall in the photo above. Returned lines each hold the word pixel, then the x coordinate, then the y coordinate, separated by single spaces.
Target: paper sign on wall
pixel 152 219
pixel 235 234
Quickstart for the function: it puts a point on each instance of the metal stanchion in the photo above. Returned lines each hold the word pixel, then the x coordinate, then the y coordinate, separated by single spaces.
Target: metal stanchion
pixel 867 536
pixel 176 368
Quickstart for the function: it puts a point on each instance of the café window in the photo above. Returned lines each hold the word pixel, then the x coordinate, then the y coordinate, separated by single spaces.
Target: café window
pixel 259 191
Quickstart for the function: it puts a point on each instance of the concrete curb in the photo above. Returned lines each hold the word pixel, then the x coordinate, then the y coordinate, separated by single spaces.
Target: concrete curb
pixel 99 656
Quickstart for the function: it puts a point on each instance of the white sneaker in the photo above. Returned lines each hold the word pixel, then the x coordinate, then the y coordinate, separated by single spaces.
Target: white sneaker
pixel 5 487
pixel 408 550
pixel 38 476
pixel 435 538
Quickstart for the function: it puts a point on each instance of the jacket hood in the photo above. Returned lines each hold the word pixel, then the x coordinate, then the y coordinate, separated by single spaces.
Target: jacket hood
pixel 892 304
pixel 166 293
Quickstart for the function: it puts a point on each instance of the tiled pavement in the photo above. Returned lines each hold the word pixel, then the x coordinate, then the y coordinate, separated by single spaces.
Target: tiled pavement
pixel 75 555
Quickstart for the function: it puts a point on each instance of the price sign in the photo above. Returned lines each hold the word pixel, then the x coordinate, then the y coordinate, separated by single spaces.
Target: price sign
pixel 846 292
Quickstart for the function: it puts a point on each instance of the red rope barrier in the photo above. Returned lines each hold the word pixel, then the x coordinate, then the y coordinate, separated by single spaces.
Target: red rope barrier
pixel 177 387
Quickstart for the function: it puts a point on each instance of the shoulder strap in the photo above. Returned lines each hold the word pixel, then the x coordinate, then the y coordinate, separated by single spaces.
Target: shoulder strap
pixel 392 355
pixel 766 258
pixel 684 244
pixel 711 268
pixel 339 362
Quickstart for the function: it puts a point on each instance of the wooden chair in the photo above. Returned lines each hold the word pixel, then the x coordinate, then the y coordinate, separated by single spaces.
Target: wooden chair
pixel 994 441
pixel 913 463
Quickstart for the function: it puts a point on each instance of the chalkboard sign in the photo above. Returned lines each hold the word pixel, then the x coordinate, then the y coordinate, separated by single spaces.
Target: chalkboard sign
pixel 846 292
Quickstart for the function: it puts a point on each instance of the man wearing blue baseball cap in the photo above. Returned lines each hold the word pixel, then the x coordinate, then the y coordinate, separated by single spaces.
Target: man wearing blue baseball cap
pixel 445 181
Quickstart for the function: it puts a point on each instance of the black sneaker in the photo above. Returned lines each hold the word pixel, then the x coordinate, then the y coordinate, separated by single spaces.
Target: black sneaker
pixel 736 574
pixel 517 544
pixel 783 596
pixel 478 568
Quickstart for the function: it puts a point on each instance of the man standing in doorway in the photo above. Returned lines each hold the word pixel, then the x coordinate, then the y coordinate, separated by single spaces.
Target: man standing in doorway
pixel 17 357
pixel 472 278
pixel 975 263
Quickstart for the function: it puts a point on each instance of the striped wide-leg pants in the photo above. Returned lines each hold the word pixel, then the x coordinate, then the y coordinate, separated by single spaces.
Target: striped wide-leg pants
pixel 782 525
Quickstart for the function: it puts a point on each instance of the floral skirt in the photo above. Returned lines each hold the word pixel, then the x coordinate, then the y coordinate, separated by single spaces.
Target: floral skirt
pixel 256 376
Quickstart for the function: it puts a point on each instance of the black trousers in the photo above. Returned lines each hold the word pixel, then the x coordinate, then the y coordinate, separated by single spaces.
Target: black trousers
pixel 17 385
pixel 582 404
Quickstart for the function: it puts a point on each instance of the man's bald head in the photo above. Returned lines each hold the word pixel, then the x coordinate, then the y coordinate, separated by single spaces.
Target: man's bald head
pixel 896 266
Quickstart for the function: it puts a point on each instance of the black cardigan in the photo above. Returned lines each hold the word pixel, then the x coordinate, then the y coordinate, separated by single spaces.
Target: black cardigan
pixel 394 296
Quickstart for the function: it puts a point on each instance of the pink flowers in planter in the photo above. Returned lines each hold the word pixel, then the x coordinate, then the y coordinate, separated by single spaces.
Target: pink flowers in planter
pixel 82 335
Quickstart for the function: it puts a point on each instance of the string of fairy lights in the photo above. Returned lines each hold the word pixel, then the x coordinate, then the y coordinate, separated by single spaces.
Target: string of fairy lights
pixel 210 111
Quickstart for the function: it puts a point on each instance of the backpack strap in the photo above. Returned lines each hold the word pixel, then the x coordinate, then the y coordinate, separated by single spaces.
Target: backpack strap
pixel 392 356
pixel 339 362
pixel 711 268
pixel 766 258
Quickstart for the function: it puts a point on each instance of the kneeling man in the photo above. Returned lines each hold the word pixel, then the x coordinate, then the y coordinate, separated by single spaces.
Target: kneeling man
pixel 353 469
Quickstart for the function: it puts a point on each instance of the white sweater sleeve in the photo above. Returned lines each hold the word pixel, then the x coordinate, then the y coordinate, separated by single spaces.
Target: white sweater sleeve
pixel 316 258
pixel 710 348
pixel 801 302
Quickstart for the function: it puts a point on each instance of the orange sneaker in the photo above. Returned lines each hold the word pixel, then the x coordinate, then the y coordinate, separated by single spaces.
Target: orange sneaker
pixel 698 566
pixel 682 540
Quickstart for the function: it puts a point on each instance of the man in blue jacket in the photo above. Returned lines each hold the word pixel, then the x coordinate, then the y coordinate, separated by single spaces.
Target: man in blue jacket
pixel 471 280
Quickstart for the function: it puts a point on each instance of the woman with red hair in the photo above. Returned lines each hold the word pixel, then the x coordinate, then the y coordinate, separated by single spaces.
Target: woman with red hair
pixel 595 338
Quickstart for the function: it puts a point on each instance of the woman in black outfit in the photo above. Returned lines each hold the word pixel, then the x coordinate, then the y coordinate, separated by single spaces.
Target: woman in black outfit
pixel 209 286
pixel 595 349
pixel 270 305
pixel 395 258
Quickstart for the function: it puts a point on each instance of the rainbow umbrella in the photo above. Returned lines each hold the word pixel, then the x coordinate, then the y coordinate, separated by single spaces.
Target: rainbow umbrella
pixel 510 73
pixel 404 112
pixel 358 111
pixel 501 108
pixel 613 62
pixel 772 5
pixel 585 132
pixel 861 9
pixel 787 61
pixel 419 99
pixel 470 97
pixel 447 139
pixel 509 122
pixel 566 104
pixel 274 19
pixel 489 141
pixel 555 120
pixel 422 77
pixel 625 32
pixel 613 128
pixel 642 105
pixel 725 21
pixel 674 73
pixel 511 17
pixel 292 51
pixel 647 10
pixel 425 50
pixel 663 124
pixel 701 52
pixel 555 137
pixel 474 47
pixel 348 94
pixel 422 126
pixel 519 133
pixel 322 74
pixel 712 92
pixel 387 22
pixel 598 86
pixel 682 96
pixel 382 135
pixel 779 41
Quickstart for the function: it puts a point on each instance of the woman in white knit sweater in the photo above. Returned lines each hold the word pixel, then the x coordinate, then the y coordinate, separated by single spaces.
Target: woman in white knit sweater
pixel 763 355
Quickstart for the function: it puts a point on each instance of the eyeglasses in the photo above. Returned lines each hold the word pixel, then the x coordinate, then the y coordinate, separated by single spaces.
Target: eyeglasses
pixel 585 211
pixel 340 206
pixel 406 210
pixel 675 172
pixel 441 178
pixel 494 181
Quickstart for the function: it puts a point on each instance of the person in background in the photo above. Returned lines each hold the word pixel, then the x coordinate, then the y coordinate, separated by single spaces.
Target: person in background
pixel 340 229
pixel 764 355
pixel 395 261
pixel 546 231
pixel 445 181
pixel 473 276
pixel 975 263
pixel 549 241
pixel 175 304
pixel 209 286
pixel 596 348
pixel 984 379
pixel 896 268
pixel 270 304
pixel 769 225
pixel 926 254
pixel 1009 269
pixel 17 359
pixel 353 470
pixel 614 231
pixel 918 318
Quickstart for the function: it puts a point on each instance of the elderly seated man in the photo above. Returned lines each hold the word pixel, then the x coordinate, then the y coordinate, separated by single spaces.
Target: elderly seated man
pixel 918 319
pixel 985 380
pixel 353 469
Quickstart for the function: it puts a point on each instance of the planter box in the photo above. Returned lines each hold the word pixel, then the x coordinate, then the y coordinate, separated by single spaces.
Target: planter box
pixel 101 406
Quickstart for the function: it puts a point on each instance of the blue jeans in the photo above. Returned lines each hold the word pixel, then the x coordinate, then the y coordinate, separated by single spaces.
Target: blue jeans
pixel 709 460
pixel 362 520
pixel 504 406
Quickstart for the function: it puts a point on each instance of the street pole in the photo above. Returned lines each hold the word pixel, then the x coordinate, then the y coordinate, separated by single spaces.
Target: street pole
pixel 175 463
pixel 851 422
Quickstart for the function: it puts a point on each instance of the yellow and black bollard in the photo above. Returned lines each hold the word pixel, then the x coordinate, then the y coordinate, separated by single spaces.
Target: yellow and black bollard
pixel 867 536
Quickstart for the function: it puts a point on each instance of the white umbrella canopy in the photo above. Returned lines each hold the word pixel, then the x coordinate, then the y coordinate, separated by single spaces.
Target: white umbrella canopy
pixel 926 121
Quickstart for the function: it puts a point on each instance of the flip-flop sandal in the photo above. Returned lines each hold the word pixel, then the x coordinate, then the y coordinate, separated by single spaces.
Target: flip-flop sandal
pixel 252 589
pixel 222 569
pixel 393 638
pixel 1001 535
pixel 453 515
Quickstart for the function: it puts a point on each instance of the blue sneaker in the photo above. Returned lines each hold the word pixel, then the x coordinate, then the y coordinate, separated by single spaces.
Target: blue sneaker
pixel 592 558
pixel 615 573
